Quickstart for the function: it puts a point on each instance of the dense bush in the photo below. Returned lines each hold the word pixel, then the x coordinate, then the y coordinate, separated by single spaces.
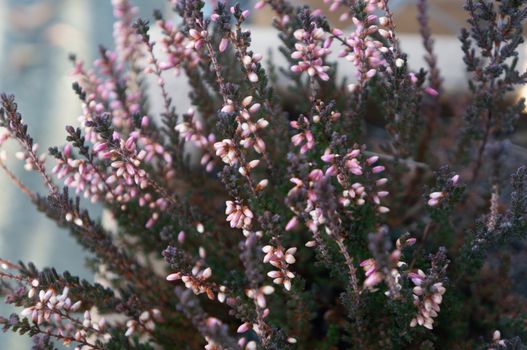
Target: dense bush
pixel 300 223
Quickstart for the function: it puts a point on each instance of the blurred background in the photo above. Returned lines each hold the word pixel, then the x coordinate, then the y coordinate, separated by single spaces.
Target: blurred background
pixel 36 37
pixel 35 40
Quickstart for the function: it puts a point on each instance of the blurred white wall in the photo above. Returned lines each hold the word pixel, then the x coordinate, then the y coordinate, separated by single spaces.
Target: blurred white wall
pixel 36 37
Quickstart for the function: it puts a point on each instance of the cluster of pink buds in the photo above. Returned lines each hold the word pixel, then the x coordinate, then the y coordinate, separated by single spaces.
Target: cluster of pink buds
pixel 375 275
pixel 128 179
pixel 251 345
pixel 197 281
pixel 258 295
pixel 101 89
pixel 154 151
pixel 192 130
pixel 176 48
pixel 360 48
pixel 226 150
pixel 125 180
pixel 246 169
pixel 91 328
pixel 310 207
pixel 29 163
pixel 304 137
pixel 427 299
pixel 247 326
pixel 71 217
pixel 311 50
pixel 350 160
pixel 49 304
pixel 281 259
pixel 107 91
pixel 126 38
pixel 146 322
pixel 129 172
pixel 95 97
pixel 248 132
pixel 213 324
pixel 247 129
pixel 54 312
pixel 238 215
pixel 334 5
pixel 497 341
pixel 435 198
pixel 224 42
pixel 249 63
pixel 354 164
pixel 196 39
pixel 81 175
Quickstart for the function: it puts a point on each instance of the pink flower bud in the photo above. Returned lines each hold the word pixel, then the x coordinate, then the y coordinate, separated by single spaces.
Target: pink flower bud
pixel 259 5
pixel 253 77
pixel 372 160
pixel 181 237
pixel 67 150
pixel 174 276
pixel 432 92
pixel 371 73
pixel 293 223
pixel 98 147
pixel 145 121
pixel 378 169
pixel 337 32
pixel 224 43
pixel 244 327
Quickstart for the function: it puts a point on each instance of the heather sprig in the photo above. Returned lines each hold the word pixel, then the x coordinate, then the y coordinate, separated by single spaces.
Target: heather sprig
pixel 491 56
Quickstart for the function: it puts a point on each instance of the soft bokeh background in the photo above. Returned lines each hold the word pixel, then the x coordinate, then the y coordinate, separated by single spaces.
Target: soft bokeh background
pixel 35 40
pixel 36 37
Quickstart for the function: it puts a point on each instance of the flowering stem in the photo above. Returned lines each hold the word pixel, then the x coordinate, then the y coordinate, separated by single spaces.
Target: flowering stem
pixel 17 182
pixel 409 162
pixel 481 150
pixel 68 339
pixel 157 71
pixel 11 276
pixel 352 271
pixel 19 131
pixel 422 242
pixel 255 88
pixel 217 69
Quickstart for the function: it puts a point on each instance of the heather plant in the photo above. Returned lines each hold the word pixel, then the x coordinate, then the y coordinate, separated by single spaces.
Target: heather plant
pixel 263 219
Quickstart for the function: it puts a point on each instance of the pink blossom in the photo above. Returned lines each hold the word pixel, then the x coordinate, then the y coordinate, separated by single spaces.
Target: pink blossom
pixel 305 138
pixel 280 258
pixel 427 299
pixel 226 151
pixel 239 216
pixel 311 52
